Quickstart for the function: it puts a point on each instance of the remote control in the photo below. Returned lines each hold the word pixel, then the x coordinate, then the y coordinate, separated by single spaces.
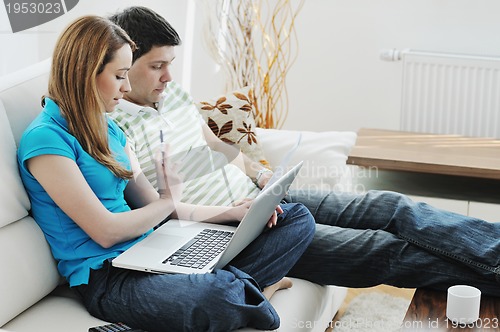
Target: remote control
pixel 116 327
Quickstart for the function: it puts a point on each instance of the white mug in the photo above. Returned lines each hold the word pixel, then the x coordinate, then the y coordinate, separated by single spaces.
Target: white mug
pixel 463 304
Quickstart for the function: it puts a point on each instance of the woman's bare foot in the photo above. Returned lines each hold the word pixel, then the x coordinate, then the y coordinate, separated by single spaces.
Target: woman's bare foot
pixel 282 284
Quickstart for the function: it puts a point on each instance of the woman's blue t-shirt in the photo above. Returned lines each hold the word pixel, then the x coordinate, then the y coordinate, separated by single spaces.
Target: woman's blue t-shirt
pixel 75 252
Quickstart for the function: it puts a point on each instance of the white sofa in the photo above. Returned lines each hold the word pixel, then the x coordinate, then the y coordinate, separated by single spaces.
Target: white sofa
pixel 32 295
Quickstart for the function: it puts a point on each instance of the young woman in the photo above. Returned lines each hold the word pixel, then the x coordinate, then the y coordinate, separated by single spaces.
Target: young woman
pixel 92 203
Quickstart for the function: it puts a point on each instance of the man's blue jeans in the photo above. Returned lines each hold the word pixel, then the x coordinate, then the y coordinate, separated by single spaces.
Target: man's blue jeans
pixel 220 301
pixel 385 238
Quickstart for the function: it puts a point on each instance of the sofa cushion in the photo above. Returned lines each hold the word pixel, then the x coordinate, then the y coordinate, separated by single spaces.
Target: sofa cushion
pixel 28 270
pixel 304 307
pixel 21 93
pixel 55 314
pixel 324 155
pixel 14 202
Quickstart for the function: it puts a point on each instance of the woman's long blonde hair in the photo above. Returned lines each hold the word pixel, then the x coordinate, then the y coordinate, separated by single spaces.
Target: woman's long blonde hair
pixel 80 54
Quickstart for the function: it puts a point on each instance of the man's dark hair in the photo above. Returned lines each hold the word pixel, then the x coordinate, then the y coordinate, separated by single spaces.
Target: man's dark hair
pixel 146 28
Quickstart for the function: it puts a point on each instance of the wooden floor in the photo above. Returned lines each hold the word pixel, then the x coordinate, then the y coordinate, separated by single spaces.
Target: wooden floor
pixel 353 292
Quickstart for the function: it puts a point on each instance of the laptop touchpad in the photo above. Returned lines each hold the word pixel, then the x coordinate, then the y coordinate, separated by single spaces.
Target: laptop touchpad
pixel 159 241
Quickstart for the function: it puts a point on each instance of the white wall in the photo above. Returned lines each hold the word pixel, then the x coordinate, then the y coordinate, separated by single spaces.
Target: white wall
pixel 16 49
pixel 338 81
pixel 32 45
pixel 340 43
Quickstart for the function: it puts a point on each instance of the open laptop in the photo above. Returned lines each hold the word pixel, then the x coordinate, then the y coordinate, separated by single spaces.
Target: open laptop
pixel 166 249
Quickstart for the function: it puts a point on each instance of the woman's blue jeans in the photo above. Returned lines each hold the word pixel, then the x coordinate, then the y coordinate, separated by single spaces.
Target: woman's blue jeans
pixel 385 238
pixel 220 301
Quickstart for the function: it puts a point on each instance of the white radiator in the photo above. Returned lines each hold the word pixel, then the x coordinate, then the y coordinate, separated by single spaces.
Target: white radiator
pixel 451 94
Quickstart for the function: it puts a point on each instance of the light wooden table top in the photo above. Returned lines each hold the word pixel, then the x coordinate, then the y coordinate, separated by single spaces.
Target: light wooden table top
pixel 427 153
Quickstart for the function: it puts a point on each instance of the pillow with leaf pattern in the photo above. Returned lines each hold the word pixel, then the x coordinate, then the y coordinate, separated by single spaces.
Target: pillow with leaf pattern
pixel 231 118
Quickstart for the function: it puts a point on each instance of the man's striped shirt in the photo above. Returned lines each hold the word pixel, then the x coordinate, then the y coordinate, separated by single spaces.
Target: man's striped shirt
pixel 208 177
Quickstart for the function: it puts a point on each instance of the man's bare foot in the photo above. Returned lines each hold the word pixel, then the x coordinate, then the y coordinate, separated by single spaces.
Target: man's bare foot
pixel 282 284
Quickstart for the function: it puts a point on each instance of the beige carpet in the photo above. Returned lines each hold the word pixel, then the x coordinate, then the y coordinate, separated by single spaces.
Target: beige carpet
pixel 373 312
pixel 375 309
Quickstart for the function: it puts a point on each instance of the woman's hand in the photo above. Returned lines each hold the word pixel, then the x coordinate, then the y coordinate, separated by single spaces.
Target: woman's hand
pixel 170 184
pixel 264 178
pixel 240 208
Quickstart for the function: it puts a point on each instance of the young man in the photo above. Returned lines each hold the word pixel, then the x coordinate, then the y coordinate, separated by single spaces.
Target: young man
pixel 360 240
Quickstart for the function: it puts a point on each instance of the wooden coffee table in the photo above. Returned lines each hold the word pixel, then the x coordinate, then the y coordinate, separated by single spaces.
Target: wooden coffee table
pixel 451 167
pixel 427 153
pixel 427 312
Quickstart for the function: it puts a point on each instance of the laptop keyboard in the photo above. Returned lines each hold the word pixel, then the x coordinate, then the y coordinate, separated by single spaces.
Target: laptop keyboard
pixel 199 251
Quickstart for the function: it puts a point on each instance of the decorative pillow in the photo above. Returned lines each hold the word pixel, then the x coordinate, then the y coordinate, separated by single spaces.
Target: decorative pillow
pixel 231 118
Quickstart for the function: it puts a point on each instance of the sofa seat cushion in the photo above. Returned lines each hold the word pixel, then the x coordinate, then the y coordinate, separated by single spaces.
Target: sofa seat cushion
pixel 54 313
pixel 307 306
pixel 28 270
pixel 304 305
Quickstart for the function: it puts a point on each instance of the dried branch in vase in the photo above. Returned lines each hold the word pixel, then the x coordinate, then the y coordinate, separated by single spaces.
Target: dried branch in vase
pixel 255 44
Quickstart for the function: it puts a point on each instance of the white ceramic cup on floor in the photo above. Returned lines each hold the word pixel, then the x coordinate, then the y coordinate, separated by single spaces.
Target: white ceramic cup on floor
pixel 462 305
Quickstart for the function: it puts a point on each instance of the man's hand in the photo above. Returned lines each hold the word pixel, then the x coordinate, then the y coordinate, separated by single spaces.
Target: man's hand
pixel 273 221
pixel 241 208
